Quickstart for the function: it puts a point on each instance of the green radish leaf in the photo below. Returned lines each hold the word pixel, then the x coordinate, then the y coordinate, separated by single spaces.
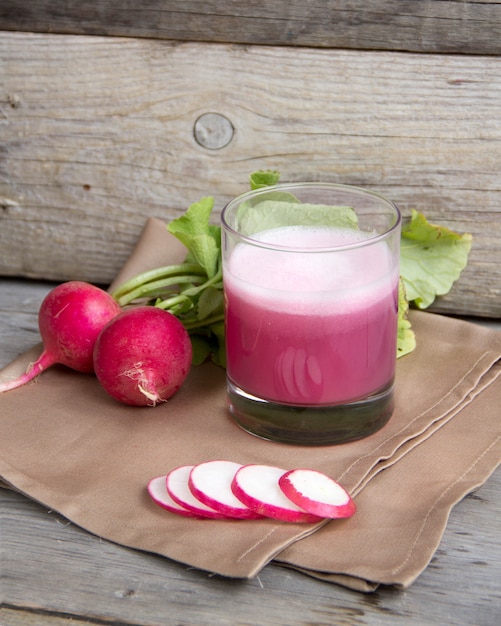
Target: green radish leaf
pixel 406 339
pixel 202 240
pixel 205 251
pixel 285 210
pixel 263 178
pixel 431 259
pixel 211 302
pixel 202 349
pixel 219 355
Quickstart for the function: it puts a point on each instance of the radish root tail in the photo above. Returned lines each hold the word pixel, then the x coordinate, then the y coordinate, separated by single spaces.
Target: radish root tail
pixel 144 384
pixel 34 370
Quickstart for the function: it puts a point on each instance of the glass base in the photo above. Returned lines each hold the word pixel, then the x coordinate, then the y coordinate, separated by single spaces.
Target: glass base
pixel 305 425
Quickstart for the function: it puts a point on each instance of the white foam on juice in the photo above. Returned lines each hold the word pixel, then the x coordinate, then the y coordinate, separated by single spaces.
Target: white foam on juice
pixel 312 275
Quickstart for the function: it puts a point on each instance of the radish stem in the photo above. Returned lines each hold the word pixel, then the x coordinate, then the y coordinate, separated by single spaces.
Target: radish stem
pixel 157 288
pixel 205 322
pixel 156 274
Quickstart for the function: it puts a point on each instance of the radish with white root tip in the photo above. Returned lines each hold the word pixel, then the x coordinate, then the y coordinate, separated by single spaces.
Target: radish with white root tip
pixel 159 494
pixel 176 483
pixel 143 356
pixel 70 319
pixel 317 493
pixel 257 486
pixel 210 482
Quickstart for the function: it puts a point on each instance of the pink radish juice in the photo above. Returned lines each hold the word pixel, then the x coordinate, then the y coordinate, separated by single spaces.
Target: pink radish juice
pixel 307 324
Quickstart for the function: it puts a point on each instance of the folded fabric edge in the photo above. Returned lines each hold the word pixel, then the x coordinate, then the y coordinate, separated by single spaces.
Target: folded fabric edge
pixel 344 580
pixel 248 568
pixel 403 576
pixel 488 378
pixel 476 459
pixel 363 585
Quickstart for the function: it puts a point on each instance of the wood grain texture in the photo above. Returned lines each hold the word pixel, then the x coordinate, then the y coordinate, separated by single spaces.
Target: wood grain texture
pixel 449 26
pixel 52 569
pixel 54 573
pixel 98 134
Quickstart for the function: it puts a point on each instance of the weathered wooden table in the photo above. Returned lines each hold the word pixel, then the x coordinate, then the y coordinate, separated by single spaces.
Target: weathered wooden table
pixel 112 112
pixel 55 573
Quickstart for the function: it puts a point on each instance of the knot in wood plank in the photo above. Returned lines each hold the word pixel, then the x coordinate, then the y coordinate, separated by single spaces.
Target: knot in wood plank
pixel 213 131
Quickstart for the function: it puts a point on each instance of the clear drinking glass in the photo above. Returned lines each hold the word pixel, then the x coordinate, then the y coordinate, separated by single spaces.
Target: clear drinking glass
pixel 310 274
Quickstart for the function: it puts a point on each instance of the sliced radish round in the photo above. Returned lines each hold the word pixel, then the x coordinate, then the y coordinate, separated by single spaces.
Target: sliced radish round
pixel 210 482
pixel 317 493
pixel 176 483
pixel 257 487
pixel 159 494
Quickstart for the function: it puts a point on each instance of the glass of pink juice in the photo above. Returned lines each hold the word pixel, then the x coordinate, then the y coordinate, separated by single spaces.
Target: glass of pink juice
pixel 310 274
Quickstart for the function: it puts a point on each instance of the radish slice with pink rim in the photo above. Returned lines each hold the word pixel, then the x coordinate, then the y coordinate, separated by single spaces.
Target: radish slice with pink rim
pixel 258 488
pixel 160 496
pixel 210 482
pixel 176 483
pixel 317 493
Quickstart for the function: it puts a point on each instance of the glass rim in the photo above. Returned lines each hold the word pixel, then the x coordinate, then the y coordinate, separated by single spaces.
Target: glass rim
pixel 371 240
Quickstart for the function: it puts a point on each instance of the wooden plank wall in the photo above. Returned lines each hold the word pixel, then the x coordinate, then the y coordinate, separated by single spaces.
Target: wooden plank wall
pixel 110 114
pixel 443 26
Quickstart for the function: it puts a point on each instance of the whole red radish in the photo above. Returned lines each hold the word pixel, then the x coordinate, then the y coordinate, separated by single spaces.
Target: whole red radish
pixel 70 318
pixel 143 356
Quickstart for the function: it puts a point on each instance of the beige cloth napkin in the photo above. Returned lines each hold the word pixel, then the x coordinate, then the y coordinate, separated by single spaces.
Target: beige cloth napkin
pixel 66 444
